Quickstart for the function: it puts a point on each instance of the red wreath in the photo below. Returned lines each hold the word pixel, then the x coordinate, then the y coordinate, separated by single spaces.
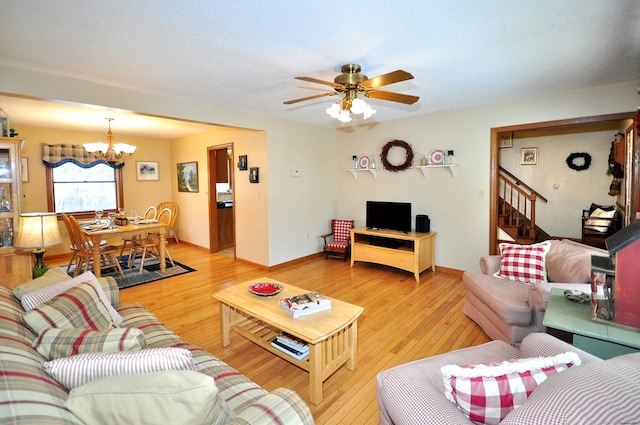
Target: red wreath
pixel 408 159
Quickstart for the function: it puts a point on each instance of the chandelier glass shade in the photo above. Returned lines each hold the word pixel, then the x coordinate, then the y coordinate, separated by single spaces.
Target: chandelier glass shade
pixel 350 104
pixel 113 153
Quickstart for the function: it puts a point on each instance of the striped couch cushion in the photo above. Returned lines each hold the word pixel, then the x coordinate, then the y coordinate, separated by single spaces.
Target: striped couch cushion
pixel 80 369
pixel 77 307
pixel 57 343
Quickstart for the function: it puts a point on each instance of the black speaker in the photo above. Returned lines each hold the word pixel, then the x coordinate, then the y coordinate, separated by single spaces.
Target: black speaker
pixel 423 225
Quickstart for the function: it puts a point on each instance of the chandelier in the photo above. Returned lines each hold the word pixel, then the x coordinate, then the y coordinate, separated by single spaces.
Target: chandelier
pixel 113 153
pixel 350 103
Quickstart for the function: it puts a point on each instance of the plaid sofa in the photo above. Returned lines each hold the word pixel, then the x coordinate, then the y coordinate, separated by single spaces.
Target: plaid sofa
pixel 29 396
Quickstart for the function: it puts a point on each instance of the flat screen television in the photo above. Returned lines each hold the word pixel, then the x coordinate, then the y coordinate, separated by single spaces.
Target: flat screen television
pixel 389 215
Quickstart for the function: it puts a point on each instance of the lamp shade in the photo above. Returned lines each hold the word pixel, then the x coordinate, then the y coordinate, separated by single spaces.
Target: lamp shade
pixel 38 230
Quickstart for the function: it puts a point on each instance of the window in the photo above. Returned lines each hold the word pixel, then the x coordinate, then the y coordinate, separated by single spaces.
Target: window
pixel 73 189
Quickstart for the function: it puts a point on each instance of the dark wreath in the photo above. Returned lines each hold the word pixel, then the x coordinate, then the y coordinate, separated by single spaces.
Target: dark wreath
pixel 385 152
pixel 571 161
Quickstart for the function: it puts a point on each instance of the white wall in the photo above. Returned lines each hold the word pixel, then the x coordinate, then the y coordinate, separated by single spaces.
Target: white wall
pixel 457 213
pixel 562 214
pixel 301 205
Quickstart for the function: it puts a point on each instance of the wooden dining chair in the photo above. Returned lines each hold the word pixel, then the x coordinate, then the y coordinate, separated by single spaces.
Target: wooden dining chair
pixel 149 214
pixel 150 244
pixel 68 225
pixel 84 250
pixel 171 231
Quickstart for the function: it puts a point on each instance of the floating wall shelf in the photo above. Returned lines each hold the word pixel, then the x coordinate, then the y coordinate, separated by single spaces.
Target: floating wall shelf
pixel 354 171
pixel 425 168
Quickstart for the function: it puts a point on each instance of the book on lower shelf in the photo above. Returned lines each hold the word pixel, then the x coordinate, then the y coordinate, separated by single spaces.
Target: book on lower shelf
pixel 298 355
pixel 293 342
pixel 301 305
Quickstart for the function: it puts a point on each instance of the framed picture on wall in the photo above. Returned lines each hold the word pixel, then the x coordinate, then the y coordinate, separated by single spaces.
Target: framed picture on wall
pixel 528 156
pixel 254 175
pixel 146 170
pixel 187 176
pixel 505 140
pixel 24 164
pixel 242 162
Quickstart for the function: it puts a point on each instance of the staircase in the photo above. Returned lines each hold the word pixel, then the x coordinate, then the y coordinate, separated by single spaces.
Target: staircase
pixel 517 210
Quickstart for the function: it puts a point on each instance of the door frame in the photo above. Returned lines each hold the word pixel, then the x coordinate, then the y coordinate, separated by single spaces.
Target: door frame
pixel 632 176
pixel 213 196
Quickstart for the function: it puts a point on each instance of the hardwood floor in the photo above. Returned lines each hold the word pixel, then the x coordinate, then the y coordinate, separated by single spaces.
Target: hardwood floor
pixel 402 321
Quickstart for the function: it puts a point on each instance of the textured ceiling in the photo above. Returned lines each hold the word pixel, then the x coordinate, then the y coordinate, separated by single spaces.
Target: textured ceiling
pixel 244 54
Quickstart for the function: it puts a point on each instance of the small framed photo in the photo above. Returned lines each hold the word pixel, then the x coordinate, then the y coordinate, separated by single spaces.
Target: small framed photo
pixel 242 162
pixel 528 156
pixel 505 140
pixel 254 175
pixel 187 177
pixel 147 170
pixel 24 169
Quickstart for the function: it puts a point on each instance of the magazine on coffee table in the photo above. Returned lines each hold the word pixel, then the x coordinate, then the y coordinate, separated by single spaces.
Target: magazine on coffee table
pixel 293 342
pixel 301 305
pixel 298 355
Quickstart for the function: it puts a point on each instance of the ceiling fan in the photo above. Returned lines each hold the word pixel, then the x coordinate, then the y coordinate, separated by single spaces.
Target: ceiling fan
pixel 350 83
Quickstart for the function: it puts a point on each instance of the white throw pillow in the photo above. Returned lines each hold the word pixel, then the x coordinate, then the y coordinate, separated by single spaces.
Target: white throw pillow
pixel 80 369
pixel 596 222
pixel 175 397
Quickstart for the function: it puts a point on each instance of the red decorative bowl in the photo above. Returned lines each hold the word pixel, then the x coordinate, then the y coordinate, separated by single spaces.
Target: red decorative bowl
pixel 265 289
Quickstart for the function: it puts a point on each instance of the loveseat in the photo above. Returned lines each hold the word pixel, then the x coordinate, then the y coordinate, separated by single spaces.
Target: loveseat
pixel 30 395
pixel 595 392
pixel 509 310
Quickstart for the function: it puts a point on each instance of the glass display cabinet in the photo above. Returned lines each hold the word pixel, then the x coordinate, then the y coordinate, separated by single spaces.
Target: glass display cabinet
pixel 10 190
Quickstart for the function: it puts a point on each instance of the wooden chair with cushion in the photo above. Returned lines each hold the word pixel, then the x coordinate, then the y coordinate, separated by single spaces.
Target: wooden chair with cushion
pixel 337 244
pixel 173 207
pixel 150 244
pixel 72 247
pixel 598 223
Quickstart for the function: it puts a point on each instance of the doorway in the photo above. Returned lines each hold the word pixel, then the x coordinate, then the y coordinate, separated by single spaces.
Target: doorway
pixel 221 198
pixel 632 171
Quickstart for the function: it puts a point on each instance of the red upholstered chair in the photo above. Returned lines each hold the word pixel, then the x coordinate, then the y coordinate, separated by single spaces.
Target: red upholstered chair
pixel 340 246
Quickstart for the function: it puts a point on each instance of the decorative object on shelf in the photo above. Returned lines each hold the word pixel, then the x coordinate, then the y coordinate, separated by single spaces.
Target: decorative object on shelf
pixel 354 158
pixel 38 231
pixel 187 177
pixel 242 163
pixel 363 162
pixel 373 162
pixel 505 140
pixel 147 170
pixel 583 163
pixel 423 161
pixel 351 83
pixel 113 154
pixel 436 157
pixel 5 131
pixel 528 156
pixel 254 175
pixel 450 154
pixel 408 156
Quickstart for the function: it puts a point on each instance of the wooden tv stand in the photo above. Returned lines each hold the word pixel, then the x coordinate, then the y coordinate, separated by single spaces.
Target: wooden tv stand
pixel 413 252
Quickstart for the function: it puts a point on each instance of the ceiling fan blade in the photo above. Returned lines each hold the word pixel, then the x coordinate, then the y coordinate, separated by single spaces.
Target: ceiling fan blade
pixel 315 80
pixel 394 97
pixel 385 79
pixel 315 96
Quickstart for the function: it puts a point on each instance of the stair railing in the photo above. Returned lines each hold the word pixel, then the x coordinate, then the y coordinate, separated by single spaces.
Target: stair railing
pixel 519 203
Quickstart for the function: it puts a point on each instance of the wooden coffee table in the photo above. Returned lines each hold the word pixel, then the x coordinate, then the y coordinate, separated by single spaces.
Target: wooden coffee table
pixel 332 334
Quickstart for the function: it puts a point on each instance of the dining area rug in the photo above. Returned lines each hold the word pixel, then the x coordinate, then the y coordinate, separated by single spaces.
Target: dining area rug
pixel 150 272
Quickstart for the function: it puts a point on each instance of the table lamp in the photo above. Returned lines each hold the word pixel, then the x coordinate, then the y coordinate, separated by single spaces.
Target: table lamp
pixel 38 231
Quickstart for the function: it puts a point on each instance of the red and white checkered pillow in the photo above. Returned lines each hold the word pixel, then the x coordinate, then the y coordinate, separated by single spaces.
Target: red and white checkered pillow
pixel 486 393
pixel 524 263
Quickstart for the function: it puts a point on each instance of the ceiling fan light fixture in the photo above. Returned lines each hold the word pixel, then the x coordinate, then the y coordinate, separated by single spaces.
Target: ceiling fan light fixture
pixel 113 154
pixel 334 110
pixel 344 116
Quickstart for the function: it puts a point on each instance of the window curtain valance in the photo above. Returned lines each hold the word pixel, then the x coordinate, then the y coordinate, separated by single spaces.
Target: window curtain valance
pixel 56 155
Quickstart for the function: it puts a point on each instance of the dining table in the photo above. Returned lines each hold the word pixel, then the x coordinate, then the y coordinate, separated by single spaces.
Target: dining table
pixel 129 229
